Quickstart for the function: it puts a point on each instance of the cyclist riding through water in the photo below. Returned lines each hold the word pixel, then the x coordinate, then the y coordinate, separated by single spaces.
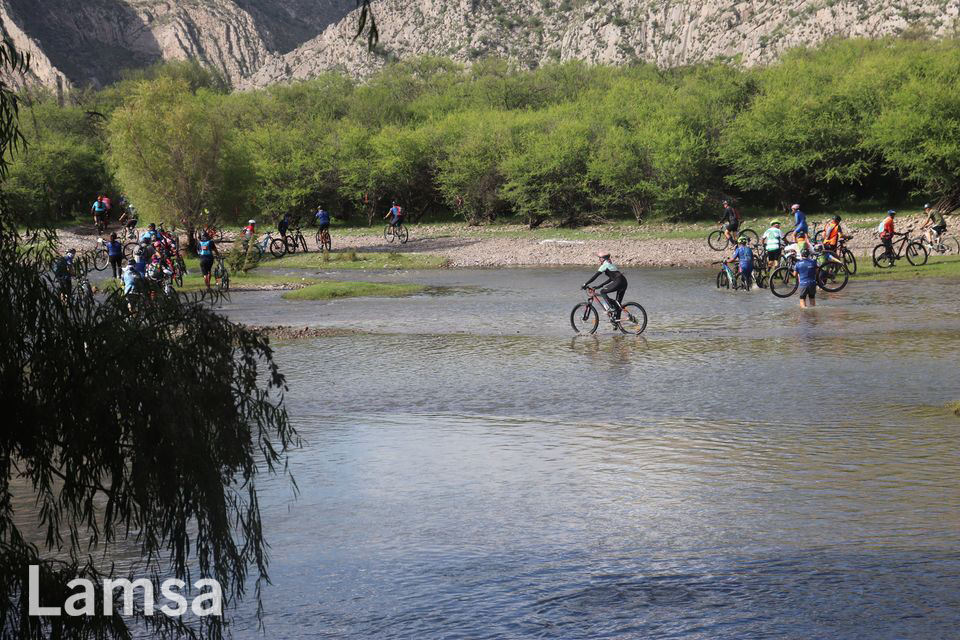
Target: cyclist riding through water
pixel 616 282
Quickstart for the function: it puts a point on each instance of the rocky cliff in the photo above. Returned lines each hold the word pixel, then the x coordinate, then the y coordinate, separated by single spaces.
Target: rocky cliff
pixel 259 42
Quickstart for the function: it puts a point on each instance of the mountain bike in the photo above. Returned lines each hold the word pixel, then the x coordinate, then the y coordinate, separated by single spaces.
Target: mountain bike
pixel 295 241
pixel 942 245
pixel 718 240
pixel 585 319
pixel 727 277
pixel 100 257
pixel 221 275
pixel 323 240
pixel 913 250
pixel 396 231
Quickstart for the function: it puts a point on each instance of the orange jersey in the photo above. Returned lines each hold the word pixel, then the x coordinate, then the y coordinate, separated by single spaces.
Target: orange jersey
pixel 888 226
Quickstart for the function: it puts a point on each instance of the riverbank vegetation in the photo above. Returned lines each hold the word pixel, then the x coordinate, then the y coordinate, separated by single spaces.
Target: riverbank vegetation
pixel 565 144
pixel 333 289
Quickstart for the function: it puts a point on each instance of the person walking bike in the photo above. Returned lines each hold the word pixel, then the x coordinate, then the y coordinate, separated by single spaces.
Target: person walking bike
pixel 744 255
pixel 887 231
pixel 115 256
pixel 206 249
pixel 730 222
pixel 805 270
pixel 773 243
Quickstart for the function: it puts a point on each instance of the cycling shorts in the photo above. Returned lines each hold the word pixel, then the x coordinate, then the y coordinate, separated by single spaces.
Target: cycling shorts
pixel 206 265
pixel 774 254
pixel 809 291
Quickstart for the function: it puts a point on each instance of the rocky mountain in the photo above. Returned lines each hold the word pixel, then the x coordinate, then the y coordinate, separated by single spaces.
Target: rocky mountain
pixel 259 42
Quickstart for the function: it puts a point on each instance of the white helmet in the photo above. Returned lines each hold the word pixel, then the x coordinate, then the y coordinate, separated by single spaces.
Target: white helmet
pixel 251 222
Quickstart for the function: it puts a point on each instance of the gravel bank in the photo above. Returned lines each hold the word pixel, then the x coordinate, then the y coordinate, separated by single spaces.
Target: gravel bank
pixel 463 246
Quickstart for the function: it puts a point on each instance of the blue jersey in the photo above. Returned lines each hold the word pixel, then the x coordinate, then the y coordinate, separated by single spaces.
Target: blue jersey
pixel 322 217
pixel 99 207
pixel 130 277
pixel 150 235
pixel 801 221
pixel 745 256
pixel 114 249
pixel 205 248
pixel 396 213
pixel 806 272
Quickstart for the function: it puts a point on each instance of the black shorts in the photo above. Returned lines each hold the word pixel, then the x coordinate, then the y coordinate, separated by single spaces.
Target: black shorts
pixel 206 265
pixel 810 291
pixel 940 229
pixel 774 254
pixel 732 226
pixel 323 227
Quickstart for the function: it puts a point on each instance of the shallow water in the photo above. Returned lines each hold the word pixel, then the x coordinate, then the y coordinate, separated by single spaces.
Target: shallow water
pixel 743 470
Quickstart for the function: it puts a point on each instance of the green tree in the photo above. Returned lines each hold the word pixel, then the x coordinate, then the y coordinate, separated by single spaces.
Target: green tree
pixel 146 433
pixel 175 155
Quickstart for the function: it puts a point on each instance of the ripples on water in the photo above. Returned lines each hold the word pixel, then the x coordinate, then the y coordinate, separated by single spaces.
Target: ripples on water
pixel 745 470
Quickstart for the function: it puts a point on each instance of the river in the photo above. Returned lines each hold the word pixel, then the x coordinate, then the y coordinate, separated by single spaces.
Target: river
pixel 746 469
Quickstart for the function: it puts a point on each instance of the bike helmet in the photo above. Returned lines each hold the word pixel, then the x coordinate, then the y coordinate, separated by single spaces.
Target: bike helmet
pixel 836 218
pixel 72 251
pixel 891 212
pixel 603 254
pixel 742 239
pixel 795 206
pixel 774 223
pixel 131 263
pixel 204 237
pixel 251 222
pixel 926 206
pixel 805 253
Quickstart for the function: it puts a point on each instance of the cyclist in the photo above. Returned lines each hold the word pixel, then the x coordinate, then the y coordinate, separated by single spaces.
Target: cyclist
pixel 887 231
pixel 206 249
pixel 805 270
pixel 249 232
pixel 99 211
pixel 744 254
pixel 131 277
pixel 773 242
pixel 63 272
pixel 115 255
pixel 395 214
pixel 283 225
pixel 142 254
pixel 322 218
pixel 833 234
pixel 616 282
pixel 151 234
pixel 729 221
pixel 936 222
pixel 128 218
pixel 800 220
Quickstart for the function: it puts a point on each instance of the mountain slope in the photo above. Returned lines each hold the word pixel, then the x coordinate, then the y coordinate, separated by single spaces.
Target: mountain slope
pixel 666 32
pixel 259 42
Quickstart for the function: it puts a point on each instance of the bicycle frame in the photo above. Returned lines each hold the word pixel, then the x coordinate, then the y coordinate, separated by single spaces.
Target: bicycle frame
pixel 594 296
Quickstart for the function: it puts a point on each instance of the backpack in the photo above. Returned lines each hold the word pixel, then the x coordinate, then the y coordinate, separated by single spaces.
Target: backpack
pixel 880 226
pixel 736 212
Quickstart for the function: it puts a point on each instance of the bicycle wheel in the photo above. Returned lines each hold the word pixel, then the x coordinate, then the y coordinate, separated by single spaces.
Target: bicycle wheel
pixel 818 236
pixel 128 250
pixel 278 247
pixel 327 242
pixel 832 277
pixel 388 233
pixel 303 243
pixel 751 234
pixel 950 245
pixel 723 282
pixel 760 278
pixel 224 282
pixel 290 244
pixel 402 234
pixel 584 318
pixel 633 319
pixel 882 259
pixel 178 277
pixel 740 282
pixel 100 259
pixel 717 240
pixel 850 260
pixel 181 265
pixel 783 283
pixel 917 254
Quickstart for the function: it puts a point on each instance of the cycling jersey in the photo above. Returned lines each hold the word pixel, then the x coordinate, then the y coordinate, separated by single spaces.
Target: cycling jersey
pixel 150 235
pixel 806 272
pixel 773 238
pixel 130 277
pixel 831 233
pixel 205 247
pixel 800 218
pixel 888 228
pixel 98 208
pixel 323 218
pixel 745 256
pixel 396 214
pixel 936 217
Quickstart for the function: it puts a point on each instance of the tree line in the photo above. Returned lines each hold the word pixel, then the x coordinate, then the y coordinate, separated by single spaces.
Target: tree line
pixel 565 143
